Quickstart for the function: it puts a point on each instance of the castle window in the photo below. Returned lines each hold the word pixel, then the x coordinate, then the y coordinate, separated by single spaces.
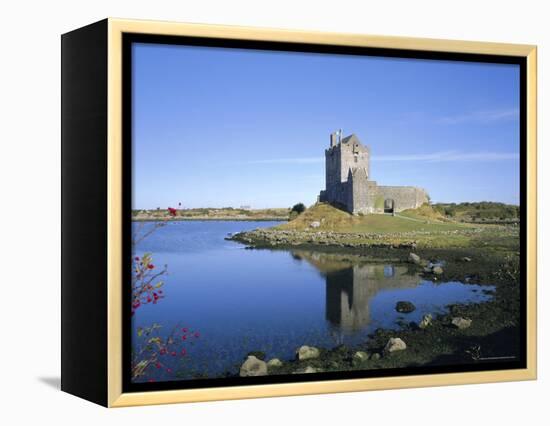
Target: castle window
pixel 355 158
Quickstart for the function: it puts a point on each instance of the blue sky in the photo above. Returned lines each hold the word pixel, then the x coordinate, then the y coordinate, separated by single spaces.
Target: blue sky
pixel 217 127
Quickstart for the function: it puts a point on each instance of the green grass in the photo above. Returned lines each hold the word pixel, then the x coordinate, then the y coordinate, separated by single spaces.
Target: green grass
pixel 478 211
pixel 385 223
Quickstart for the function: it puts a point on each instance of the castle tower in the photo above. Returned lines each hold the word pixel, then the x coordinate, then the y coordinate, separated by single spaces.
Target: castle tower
pixel 343 156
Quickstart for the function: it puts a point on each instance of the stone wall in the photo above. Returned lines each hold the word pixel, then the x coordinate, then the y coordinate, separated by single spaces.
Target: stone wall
pixel 358 195
pixel 332 170
pixel 353 155
pixel 404 197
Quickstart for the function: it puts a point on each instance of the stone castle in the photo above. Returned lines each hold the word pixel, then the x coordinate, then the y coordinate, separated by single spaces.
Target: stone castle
pixel 348 183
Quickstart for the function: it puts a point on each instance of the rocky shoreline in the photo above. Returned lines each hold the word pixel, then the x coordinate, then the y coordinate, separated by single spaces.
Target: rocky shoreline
pixel 269 238
pixel 466 334
pixel 462 336
pixel 372 355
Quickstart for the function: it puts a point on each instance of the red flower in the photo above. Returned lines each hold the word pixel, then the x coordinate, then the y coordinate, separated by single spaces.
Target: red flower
pixel 184 329
pixel 197 334
pixel 148 298
pixel 183 352
pixel 150 266
pixel 183 337
pixel 173 353
pixel 158 365
pixel 172 211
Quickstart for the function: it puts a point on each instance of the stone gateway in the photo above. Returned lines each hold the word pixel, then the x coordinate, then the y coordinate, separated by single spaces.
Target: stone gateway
pixel 348 183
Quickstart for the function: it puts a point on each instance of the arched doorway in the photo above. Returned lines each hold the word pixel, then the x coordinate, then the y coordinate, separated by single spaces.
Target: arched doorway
pixel 389 205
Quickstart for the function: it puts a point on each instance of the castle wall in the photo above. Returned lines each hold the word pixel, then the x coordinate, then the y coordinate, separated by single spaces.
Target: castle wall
pixel 373 204
pixel 336 189
pixel 358 192
pixel 332 169
pixel 404 197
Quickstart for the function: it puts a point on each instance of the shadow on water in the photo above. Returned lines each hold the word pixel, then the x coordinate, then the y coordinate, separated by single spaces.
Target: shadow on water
pixel 360 296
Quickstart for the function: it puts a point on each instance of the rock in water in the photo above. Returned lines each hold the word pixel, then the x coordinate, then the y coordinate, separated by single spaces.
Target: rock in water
pixel 307 352
pixel 414 258
pixel 309 369
pixel 461 323
pixel 395 344
pixel 253 367
pixel 438 270
pixel 466 259
pixel 275 362
pixel 426 321
pixel 404 307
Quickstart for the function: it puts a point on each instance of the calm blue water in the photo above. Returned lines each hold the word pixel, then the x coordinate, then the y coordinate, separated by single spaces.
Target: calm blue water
pixel 273 301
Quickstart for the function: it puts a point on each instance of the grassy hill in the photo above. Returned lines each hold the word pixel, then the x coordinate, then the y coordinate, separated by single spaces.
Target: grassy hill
pixel 332 219
pixel 484 211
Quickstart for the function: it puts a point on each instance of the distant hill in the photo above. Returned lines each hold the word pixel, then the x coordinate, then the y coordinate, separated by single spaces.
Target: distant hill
pixel 224 213
pixel 480 212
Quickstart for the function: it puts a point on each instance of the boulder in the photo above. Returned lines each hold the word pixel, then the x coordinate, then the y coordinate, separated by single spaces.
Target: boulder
pixel 461 323
pixel 438 270
pixel 307 352
pixel 275 362
pixel 360 356
pixel 253 367
pixel 404 307
pixel 375 356
pixel 395 344
pixel 315 224
pixel 426 321
pixel 414 258
pixel 309 369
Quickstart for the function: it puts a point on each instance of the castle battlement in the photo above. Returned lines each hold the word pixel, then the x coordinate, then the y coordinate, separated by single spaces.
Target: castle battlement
pixel 348 184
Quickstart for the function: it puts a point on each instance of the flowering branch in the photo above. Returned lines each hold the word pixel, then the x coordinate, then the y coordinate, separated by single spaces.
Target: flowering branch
pixel 152 349
pixel 146 288
pixel 155 351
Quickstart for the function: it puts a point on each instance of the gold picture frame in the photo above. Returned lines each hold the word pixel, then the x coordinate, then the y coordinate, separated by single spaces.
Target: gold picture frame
pixel 115 29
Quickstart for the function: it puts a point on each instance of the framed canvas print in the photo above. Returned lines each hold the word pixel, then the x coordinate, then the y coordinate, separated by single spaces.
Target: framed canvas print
pixel 254 212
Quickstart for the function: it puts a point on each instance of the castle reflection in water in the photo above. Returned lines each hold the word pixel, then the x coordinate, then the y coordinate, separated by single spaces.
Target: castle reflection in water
pixel 351 285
